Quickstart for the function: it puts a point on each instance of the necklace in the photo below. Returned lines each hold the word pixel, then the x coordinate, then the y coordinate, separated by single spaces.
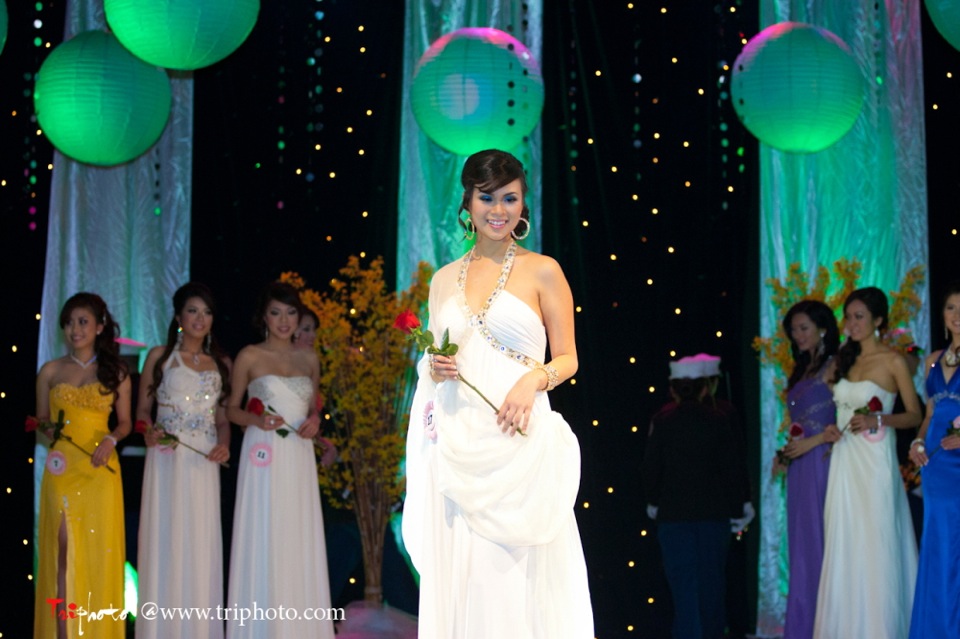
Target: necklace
pixel 951 357
pixel 194 356
pixel 81 363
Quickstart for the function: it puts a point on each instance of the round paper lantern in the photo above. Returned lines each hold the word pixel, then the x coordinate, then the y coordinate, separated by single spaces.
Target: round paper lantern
pixel 945 15
pixel 181 34
pixel 3 24
pixel 475 89
pixel 797 87
pixel 98 103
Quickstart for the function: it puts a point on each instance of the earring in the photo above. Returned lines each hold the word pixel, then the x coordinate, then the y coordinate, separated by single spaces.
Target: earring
pixel 469 230
pixel 876 333
pixel 206 343
pixel 946 332
pixel 820 346
pixel 514 235
pixel 179 337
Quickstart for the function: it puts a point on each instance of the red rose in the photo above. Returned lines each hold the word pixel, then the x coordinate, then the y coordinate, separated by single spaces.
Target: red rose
pixel 406 321
pixel 875 405
pixel 255 406
pixel 796 430
pixel 31 424
pixel 141 426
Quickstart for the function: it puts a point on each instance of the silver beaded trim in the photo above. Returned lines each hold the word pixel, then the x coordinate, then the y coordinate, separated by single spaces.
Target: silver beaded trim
pixel 479 321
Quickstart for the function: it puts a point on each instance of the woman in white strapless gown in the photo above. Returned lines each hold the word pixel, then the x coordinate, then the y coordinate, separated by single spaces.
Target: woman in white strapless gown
pixel 180 549
pixel 278 558
pixel 488 518
pixel 870 552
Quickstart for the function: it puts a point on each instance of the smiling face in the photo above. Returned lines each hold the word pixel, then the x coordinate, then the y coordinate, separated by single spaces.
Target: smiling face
pixel 859 323
pixel 281 319
pixel 951 315
pixel 804 333
pixel 196 318
pixel 81 329
pixel 495 214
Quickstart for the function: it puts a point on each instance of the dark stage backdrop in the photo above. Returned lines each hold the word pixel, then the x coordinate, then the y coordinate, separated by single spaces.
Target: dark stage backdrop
pixel 649 204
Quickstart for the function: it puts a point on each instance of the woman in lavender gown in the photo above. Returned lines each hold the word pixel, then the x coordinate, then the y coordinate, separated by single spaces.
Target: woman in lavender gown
pixel 814 339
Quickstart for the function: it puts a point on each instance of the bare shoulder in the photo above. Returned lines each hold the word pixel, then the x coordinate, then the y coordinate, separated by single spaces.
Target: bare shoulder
pixel 50 369
pixel 931 359
pixel 248 354
pixel 543 267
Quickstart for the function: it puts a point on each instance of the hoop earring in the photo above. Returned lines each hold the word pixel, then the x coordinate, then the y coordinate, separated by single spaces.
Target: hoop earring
pixel 514 235
pixel 469 230
pixel 179 343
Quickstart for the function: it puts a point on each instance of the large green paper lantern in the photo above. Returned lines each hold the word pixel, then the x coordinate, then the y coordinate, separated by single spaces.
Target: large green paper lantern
pixel 475 89
pixel 945 15
pixel 797 87
pixel 3 24
pixel 181 34
pixel 98 103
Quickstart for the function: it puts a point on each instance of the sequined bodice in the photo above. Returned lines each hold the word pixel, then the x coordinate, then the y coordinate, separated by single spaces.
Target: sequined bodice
pixel 262 387
pixel 187 399
pixel 811 405
pixel 88 397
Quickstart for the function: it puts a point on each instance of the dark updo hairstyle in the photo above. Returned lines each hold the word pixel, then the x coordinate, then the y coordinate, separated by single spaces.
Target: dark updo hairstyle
pixel 210 347
pixel 488 171
pixel 279 292
pixel 686 389
pixel 111 370
pixel 876 302
pixel 821 315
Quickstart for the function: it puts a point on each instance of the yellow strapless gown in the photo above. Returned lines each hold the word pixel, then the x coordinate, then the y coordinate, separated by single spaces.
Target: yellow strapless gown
pixel 90 501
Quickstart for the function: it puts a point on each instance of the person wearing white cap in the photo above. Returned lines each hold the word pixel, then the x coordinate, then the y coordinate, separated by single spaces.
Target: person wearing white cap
pixel 696 485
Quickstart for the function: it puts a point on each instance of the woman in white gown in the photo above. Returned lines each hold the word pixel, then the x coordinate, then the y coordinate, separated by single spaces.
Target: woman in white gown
pixel 870 552
pixel 278 561
pixel 488 518
pixel 180 547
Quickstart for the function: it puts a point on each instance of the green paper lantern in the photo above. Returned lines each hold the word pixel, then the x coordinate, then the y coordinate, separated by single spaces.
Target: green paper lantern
pixel 99 104
pixel 945 15
pixel 4 19
pixel 181 34
pixel 797 87
pixel 475 89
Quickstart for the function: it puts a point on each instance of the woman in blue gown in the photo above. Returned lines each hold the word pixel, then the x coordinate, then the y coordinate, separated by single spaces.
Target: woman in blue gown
pixel 936 602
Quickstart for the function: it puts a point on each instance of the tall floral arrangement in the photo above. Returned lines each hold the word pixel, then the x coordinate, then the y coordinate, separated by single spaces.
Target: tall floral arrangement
pixel 366 378
pixel 775 349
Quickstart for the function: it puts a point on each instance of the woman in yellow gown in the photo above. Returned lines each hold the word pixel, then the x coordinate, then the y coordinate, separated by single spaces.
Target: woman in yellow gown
pixel 81 537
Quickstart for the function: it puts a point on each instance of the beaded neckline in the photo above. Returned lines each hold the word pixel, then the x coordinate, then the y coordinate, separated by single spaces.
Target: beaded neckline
pixel 505 268
pixel 479 321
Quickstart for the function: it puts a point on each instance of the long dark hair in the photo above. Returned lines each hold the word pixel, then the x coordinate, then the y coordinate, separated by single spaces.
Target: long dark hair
pixel 279 292
pixel 822 316
pixel 488 171
pixel 111 370
pixel 953 288
pixel 876 302
pixel 211 348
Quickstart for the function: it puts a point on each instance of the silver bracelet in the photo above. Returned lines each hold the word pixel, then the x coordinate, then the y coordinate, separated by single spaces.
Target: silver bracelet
pixel 879 424
pixel 918 440
pixel 553 377
pixel 111 438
